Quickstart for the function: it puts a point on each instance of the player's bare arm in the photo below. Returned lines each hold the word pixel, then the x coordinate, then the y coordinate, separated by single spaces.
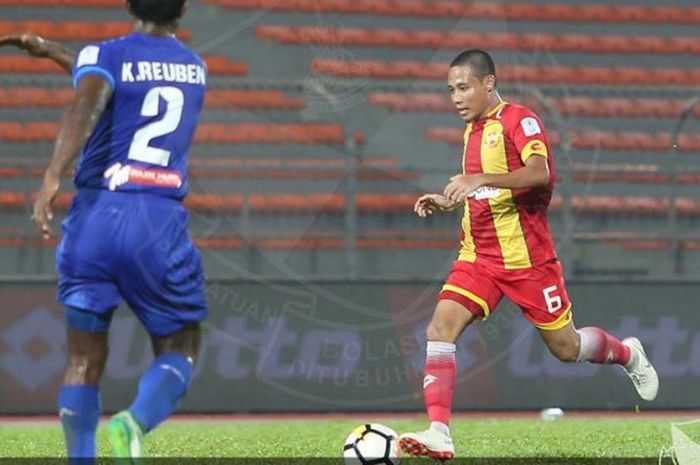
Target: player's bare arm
pixel 39 47
pixel 534 174
pixel 77 124
pixel 427 204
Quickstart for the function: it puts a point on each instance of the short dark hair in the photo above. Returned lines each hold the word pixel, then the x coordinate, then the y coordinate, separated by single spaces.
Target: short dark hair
pixel 157 11
pixel 477 60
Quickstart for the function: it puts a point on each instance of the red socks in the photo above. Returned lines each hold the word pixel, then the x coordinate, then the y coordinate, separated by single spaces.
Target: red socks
pixel 439 381
pixel 597 346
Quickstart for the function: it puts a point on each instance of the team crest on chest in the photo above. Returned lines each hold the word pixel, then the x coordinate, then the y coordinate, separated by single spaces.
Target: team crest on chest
pixel 493 137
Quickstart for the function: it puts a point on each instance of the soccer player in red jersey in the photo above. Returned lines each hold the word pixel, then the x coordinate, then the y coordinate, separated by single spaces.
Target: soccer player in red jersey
pixel 506 249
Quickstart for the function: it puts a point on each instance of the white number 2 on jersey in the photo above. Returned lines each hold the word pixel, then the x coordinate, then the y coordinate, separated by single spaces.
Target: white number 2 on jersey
pixel 139 149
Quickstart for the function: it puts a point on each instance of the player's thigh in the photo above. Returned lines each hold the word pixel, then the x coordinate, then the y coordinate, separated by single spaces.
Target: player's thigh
pixel 563 343
pixel 469 293
pixel 85 255
pixel 541 294
pixel 449 321
pixel 163 279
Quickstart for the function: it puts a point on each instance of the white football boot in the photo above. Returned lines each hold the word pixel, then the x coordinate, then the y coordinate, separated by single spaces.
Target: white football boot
pixel 640 370
pixel 429 443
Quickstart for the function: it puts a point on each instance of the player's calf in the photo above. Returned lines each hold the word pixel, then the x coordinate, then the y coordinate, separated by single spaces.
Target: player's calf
pixel 599 346
pixel 161 388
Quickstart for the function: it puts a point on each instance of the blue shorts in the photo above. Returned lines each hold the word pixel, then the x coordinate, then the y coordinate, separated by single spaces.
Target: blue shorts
pixel 135 247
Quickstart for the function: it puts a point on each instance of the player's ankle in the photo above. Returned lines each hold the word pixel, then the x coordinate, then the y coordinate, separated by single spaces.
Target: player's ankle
pixel 632 362
pixel 441 427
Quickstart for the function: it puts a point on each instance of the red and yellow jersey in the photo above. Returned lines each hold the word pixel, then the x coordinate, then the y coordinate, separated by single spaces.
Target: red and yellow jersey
pixel 506 228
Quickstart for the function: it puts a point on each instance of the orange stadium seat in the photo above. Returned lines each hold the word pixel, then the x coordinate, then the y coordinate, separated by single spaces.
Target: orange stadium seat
pixel 290 162
pixel 271 133
pixel 26 64
pixel 460 40
pixel 296 202
pixel 479 9
pixel 76 30
pixel 523 73
pixel 221 65
pixel 252 99
pixel 34 97
pixel 214 202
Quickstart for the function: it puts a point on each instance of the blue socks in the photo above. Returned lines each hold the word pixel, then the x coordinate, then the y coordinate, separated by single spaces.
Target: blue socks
pixel 79 409
pixel 161 387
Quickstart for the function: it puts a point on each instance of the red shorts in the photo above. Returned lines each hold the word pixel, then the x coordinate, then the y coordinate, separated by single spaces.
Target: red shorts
pixel 540 291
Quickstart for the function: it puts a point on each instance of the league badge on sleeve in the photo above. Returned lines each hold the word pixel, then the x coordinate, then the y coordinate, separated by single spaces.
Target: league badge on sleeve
pixel 88 56
pixel 530 126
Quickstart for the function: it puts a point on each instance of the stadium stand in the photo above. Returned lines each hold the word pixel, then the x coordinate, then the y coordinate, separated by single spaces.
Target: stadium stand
pixel 275 166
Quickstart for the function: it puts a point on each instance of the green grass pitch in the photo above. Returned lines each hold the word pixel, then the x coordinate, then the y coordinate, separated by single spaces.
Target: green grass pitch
pixel 522 437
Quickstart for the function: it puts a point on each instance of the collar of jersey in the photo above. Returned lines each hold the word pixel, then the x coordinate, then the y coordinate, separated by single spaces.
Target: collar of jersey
pixel 495 110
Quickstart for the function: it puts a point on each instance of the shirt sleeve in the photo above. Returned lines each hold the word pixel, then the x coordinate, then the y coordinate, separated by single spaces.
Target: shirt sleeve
pixel 93 60
pixel 529 136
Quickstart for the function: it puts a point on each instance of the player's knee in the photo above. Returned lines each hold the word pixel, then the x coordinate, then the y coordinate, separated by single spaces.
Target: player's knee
pixel 439 331
pixel 186 341
pixel 566 351
pixel 85 367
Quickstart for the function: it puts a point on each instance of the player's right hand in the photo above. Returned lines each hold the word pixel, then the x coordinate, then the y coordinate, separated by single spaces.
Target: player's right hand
pixel 427 204
pixel 41 213
pixel 35 45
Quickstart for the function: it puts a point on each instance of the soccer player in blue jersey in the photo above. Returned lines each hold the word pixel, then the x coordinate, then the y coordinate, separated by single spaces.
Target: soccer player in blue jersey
pixel 137 102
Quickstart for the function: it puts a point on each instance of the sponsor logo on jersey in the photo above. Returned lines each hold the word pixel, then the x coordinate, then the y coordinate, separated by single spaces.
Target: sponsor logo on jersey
pixel 485 192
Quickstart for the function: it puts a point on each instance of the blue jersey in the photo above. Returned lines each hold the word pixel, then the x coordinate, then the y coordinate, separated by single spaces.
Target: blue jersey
pixel 142 139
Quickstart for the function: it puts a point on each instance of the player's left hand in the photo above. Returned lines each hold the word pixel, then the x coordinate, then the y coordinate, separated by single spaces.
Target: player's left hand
pixel 35 45
pixel 41 213
pixel 461 186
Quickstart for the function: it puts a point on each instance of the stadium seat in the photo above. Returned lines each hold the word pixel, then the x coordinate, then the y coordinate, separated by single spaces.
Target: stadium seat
pixel 29 65
pixel 513 73
pixel 480 9
pixel 291 162
pixel 252 99
pixel 34 97
pixel 408 38
pixel 76 30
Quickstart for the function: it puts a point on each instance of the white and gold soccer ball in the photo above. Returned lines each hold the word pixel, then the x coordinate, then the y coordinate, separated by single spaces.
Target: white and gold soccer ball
pixel 372 444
